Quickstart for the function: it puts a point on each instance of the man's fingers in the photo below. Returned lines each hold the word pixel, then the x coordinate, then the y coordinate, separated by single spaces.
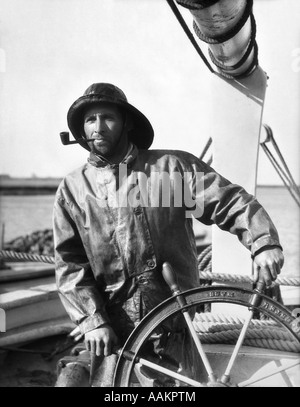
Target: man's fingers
pixel 107 349
pixel 96 347
pixel 269 264
pixel 274 267
pixel 100 348
pixel 91 345
pixel 266 275
pixel 281 261
pixel 100 341
pixel 78 337
pixel 275 270
pixel 75 332
pixel 256 269
pixel 87 344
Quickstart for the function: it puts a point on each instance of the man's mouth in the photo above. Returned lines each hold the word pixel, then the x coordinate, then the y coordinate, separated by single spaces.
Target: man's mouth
pixel 99 140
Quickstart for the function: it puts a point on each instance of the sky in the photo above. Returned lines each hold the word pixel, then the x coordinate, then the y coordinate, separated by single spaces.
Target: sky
pixel 52 50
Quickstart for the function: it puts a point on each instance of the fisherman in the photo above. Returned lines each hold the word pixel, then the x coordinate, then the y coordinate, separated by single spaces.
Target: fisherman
pixel 127 211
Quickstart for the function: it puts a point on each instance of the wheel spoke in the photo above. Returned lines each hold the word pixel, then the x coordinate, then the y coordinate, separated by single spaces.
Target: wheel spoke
pixel 154 366
pixel 198 344
pixel 170 279
pixel 226 377
pixel 169 372
pixel 260 286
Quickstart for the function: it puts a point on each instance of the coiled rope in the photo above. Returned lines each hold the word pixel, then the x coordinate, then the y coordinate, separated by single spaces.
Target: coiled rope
pixel 230 337
pixel 209 318
pixel 213 328
pixel 237 278
pixel 20 256
pixel 204 265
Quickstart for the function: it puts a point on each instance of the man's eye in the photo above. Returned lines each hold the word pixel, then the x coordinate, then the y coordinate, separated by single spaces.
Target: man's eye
pixel 90 119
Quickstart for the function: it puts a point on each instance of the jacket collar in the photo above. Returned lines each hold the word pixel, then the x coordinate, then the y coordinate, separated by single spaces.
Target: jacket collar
pixel 99 161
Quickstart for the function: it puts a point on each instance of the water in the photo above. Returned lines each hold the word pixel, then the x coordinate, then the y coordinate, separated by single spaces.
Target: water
pixel 26 214
pixel 286 215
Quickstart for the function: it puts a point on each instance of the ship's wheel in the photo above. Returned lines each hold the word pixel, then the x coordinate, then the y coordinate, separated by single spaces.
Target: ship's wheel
pixel 224 364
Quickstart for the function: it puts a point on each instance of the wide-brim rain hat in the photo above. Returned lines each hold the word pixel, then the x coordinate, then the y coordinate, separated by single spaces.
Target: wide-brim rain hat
pixel 142 132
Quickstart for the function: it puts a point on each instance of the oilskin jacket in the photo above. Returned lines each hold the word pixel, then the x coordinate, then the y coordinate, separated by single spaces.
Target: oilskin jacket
pixel 115 225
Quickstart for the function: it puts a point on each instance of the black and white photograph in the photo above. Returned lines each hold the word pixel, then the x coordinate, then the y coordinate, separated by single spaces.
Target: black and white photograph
pixel 149 196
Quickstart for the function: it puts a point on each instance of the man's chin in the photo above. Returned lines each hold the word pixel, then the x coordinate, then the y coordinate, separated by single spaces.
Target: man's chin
pixel 100 150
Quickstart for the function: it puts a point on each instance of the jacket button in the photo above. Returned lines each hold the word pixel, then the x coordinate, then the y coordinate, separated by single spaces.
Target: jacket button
pixel 150 263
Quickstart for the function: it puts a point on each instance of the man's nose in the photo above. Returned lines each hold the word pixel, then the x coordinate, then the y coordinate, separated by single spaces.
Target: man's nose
pixel 99 124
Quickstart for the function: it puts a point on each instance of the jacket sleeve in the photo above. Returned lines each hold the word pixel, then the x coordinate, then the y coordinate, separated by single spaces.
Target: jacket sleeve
pixel 75 281
pixel 234 210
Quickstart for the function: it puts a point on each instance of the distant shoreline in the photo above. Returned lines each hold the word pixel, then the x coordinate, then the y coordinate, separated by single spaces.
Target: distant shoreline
pixel 28 186
pixel 27 191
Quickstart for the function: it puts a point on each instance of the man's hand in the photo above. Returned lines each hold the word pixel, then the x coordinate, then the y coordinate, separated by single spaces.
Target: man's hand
pixel 101 340
pixel 268 264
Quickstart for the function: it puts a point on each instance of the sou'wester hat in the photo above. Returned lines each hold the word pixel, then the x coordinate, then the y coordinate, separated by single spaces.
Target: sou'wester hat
pixel 142 132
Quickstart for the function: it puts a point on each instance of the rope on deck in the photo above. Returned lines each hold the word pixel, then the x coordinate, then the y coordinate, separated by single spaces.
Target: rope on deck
pixel 205 319
pixel 20 256
pixel 230 337
pixel 205 260
pixel 218 328
pixel 237 278
pixel 274 331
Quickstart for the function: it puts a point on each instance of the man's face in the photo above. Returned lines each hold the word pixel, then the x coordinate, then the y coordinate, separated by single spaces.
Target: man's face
pixel 104 122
